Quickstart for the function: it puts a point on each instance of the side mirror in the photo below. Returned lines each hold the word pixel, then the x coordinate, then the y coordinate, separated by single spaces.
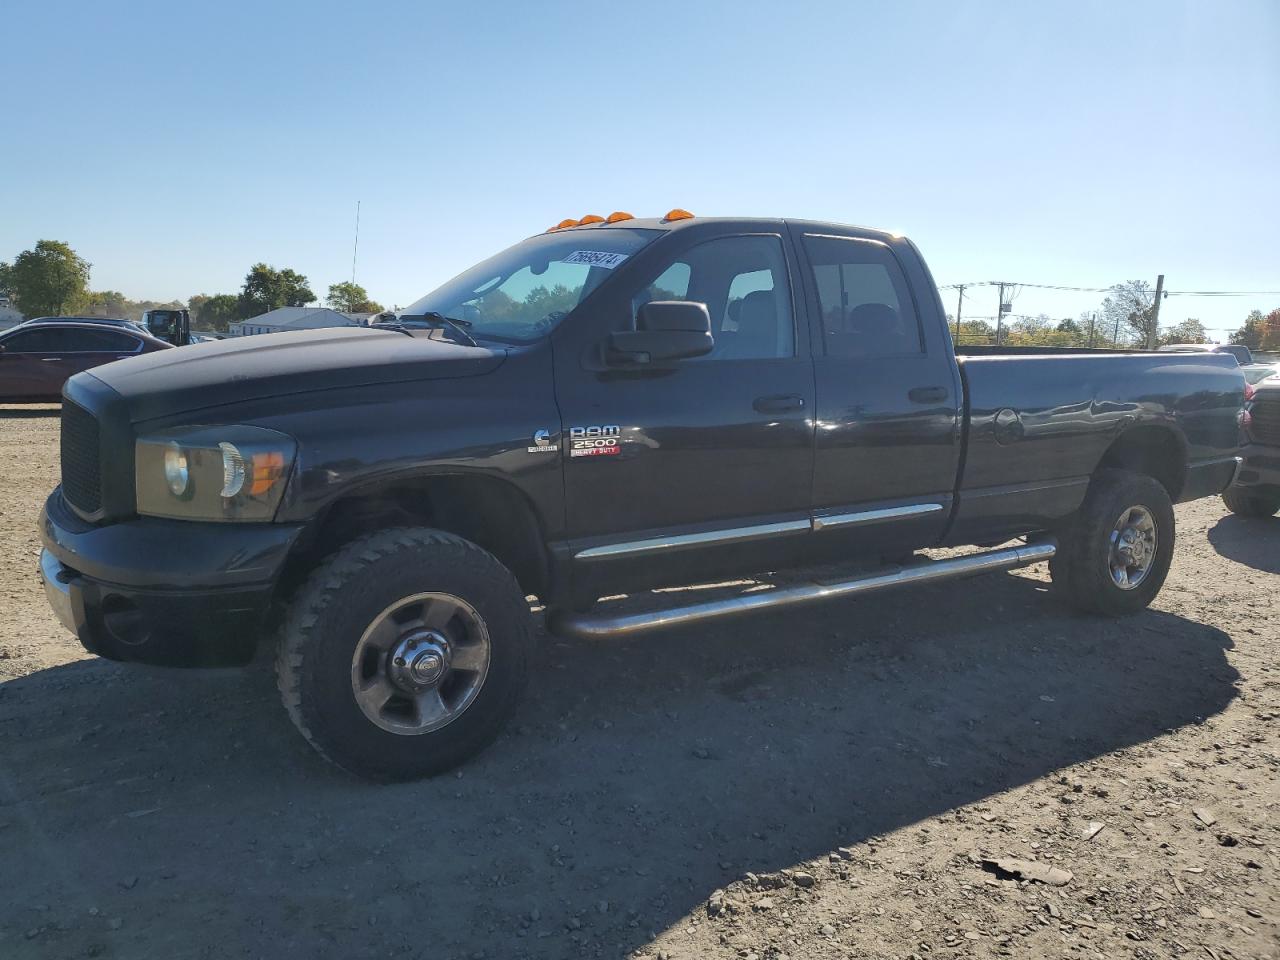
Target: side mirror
pixel 668 330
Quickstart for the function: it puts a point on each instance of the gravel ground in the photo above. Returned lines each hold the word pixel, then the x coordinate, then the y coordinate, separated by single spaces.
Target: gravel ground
pixel 856 781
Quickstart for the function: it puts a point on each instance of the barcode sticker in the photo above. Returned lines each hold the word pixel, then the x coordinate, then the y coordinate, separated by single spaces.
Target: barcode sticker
pixel 596 258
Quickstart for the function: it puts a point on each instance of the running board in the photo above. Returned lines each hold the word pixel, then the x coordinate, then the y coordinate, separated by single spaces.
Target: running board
pixel 595 626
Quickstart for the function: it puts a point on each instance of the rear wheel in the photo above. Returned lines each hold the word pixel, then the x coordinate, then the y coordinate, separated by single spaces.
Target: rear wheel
pixel 404 653
pixel 1252 502
pixel 1114 558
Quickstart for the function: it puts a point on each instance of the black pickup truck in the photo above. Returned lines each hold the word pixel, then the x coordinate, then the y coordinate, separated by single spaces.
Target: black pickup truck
pixel 614 405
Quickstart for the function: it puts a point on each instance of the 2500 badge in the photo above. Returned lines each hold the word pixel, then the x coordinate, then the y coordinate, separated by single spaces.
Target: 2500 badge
pixel 594 441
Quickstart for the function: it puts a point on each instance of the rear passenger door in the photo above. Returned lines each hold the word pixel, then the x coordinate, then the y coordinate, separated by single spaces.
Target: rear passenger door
pixel 889 402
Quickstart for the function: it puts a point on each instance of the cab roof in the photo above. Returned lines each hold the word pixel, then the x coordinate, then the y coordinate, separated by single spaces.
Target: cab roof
pixel 755 223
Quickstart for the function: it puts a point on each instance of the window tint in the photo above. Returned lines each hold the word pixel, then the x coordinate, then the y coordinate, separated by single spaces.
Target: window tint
pixel 69 340
pixel 102 341
pixel 40 340
pixel 743 282
pixel 866 308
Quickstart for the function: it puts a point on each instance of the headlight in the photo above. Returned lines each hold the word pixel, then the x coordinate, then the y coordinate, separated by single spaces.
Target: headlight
pixel 212 473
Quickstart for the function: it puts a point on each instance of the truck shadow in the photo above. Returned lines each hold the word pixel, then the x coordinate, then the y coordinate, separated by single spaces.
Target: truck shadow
pixel 1254 542
pixel 636 780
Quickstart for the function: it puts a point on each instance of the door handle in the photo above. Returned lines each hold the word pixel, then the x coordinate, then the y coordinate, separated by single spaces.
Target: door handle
pixel 781 403
pixel 50 359
pixel 927 394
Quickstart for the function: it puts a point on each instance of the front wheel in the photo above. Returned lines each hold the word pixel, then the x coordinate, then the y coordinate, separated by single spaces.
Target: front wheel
pixel 1114 558
pixel 1252 502
pixel 404 653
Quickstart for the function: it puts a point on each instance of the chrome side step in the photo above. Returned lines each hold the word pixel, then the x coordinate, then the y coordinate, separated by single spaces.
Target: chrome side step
pixel 595 626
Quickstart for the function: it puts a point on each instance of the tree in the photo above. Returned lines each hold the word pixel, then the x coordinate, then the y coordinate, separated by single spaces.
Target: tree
pixel 215 312
pixel 1271 331
pixel 47 280
pixel 1129 309
pixel 972 332
pixel 266 288
pixel 1250 335
pixel 1069 326
pixel 349 297
pixel 1189 330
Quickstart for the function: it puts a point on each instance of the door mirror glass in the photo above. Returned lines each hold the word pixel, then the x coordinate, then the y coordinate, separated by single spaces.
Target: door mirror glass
pixel 668 330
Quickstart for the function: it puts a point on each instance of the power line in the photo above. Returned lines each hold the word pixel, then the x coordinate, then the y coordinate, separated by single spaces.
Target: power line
pixel 1167 293
pixel 1223 293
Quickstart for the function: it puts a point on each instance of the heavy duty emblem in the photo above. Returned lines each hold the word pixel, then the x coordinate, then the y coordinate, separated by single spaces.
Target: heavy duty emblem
pixel 594 441
pixel 542 442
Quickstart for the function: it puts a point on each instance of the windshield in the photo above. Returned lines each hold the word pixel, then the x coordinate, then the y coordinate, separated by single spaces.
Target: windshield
pixel 524 291
pixel 1259 373
pixel 162 321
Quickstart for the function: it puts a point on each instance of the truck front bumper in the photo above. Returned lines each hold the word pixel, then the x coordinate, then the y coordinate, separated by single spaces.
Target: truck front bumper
pixel 1261 467
pixel 171 592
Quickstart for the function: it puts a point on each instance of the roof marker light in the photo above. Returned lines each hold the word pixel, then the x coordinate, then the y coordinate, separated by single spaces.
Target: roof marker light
pixel 678 214
pixel 590 218
pixel 566 223
pixel 618 216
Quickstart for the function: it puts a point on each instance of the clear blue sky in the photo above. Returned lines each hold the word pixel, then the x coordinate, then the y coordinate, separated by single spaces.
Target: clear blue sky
pixel 174 144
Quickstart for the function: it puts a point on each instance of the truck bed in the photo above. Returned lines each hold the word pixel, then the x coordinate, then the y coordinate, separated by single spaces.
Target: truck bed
pixel 1039 420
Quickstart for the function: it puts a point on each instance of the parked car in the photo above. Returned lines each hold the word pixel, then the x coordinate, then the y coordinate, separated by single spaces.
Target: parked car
pixel 37 357
pixel 1242 354
pixel 1256 492
pixel 600 409
pixel 1255 373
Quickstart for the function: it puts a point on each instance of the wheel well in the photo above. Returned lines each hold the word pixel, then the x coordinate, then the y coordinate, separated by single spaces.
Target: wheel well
pixel 1154 451
pixel 489 512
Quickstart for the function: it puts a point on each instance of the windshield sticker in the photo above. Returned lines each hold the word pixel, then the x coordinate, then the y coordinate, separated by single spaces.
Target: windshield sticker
pixel 596 258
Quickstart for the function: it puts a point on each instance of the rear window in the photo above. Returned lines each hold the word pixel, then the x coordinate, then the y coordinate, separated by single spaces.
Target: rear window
pixel 867 310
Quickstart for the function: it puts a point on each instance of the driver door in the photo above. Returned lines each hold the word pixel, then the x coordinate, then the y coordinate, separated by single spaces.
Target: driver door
pixel 710 468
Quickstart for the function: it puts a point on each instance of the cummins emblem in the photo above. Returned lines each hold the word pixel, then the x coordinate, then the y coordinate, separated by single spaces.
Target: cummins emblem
pixel 542 442
pixel 594 441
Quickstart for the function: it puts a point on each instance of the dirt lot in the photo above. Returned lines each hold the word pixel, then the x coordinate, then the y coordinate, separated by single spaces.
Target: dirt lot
pixel 812 786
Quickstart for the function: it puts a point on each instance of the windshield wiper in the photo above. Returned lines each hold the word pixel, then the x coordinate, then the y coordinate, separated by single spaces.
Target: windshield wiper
pixel 442 322
pixel 397 327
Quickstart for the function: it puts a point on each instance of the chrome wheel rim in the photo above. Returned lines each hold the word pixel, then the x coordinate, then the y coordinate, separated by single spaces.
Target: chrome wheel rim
pixel 420 663
pixel 1133 547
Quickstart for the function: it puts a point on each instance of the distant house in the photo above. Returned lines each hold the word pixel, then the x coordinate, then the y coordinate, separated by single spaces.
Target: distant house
pixel 284 319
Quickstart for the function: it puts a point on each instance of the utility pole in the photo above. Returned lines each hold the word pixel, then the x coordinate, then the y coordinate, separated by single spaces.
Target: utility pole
pixel 355 247
pixel 999 313
pixel 1093 317
pixel 959 307
pixel 1153 334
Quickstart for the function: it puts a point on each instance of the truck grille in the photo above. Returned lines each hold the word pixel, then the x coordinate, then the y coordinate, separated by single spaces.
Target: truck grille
pixel 1266 419
pixel 81 476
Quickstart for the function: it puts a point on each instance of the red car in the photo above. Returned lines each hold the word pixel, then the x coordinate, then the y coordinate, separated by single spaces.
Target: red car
pixel 37 358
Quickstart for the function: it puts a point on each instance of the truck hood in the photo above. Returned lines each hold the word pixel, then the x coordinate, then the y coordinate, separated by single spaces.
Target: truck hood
pixel 204 375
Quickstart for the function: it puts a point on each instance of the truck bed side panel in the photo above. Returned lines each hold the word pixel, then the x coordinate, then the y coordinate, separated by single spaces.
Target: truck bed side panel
pixel 1040 425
